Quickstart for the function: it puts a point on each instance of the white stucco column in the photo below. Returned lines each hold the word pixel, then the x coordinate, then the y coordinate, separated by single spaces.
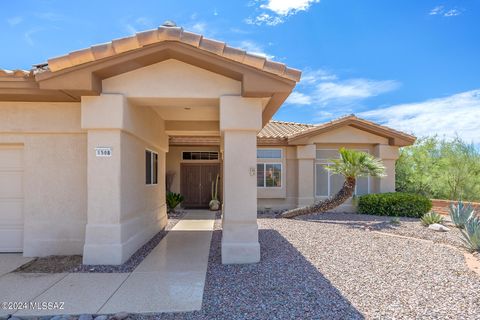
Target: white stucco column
pixel 240 120
pixel 102 116
pixel 306 171
pixel 389 155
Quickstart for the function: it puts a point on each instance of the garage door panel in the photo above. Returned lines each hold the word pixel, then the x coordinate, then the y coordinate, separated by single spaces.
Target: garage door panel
pixel 12 158
pixel 11 239
pixel 11 199
pixel 11 185
pixel 11 211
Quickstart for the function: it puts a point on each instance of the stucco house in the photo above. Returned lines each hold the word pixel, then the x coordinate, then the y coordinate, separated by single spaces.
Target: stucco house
pixel 86 141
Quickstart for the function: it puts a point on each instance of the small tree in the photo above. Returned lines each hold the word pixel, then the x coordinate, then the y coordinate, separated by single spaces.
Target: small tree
pixel 352 164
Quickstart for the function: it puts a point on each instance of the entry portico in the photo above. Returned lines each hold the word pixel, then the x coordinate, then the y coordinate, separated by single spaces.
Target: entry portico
pixel 128 97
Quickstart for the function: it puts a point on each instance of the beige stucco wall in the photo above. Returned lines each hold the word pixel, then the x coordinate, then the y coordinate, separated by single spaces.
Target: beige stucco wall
pixel 171 79
pixel 300 162
pixel 55 186
pixel 123 212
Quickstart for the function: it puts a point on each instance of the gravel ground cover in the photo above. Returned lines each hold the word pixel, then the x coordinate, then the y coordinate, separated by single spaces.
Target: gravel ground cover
pixel 332 267
pixel 73 264
pixel 409 227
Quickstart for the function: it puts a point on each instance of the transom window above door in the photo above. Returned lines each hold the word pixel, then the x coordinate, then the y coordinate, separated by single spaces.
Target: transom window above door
pixel 269 153
pixel 199 155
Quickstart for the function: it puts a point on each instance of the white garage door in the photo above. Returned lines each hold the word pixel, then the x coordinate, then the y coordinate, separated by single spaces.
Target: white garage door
pixel 11 198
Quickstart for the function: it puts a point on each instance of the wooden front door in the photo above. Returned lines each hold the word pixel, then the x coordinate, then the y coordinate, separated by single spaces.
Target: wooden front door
pixel 196 183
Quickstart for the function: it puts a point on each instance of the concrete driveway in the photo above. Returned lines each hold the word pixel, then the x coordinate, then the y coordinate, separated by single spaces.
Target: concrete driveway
pixel 170 279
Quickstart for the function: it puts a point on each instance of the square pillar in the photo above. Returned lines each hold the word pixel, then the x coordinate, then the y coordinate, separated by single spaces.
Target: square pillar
pixel 306 170
pixel 389 155
pixel 102 116
pixel 240 120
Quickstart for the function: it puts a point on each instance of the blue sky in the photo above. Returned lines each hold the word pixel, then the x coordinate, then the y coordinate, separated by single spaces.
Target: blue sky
pixel 413 65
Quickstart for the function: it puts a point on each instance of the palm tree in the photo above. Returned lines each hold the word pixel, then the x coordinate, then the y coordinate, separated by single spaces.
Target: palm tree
pixel 351 164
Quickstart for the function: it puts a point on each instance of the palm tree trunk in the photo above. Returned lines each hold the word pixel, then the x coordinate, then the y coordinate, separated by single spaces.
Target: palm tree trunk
pixel 328 204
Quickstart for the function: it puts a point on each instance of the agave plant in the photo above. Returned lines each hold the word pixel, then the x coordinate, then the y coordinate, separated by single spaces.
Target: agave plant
pixel 460 213
pixel 471 234
pixel 431 218
pixel 173 200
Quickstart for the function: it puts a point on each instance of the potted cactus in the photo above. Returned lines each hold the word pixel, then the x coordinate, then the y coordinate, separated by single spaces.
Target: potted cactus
pixel 215 203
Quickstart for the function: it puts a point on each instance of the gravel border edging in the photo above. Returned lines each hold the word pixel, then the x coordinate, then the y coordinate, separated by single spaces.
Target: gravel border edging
pixel 138 256
pixel 126 267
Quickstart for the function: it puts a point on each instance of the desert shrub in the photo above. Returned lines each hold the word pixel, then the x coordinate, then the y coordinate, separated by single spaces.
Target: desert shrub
pixel 440 169
pixel 396 204
pixel 173 200
pixel 471 234
pixel 431 218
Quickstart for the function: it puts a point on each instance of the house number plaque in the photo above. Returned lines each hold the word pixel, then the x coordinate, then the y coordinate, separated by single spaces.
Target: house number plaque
pixel 103 152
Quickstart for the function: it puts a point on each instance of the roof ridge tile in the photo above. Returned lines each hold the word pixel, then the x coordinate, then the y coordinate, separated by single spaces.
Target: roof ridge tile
pixel 163 33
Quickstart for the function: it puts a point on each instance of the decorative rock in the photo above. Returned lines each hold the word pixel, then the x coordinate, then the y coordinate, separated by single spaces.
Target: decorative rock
pixel 438 227
pixel 101 318
pixel 85 317
pixel 120 316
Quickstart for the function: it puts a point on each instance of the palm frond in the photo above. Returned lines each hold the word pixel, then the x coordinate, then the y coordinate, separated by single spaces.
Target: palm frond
pixel 353 164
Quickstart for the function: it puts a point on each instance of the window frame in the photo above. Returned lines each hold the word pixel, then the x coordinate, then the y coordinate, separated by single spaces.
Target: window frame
pixel 265 176
pixel 323 162
pixel 270 159
pixel 153 168
pixel 202 151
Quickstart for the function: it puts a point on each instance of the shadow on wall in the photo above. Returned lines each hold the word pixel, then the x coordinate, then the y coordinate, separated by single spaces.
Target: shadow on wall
pixel 283 285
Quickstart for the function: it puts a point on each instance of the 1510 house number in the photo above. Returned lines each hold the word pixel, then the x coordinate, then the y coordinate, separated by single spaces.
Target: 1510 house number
pixel 103 152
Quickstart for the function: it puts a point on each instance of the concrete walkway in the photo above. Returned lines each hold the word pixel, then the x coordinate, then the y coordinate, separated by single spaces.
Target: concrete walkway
pixel 170 279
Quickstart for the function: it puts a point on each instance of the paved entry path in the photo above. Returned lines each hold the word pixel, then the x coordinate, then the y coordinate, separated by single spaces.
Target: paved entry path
pixel 170 279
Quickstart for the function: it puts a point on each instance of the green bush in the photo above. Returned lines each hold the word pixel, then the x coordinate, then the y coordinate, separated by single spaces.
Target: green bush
pixel 396 204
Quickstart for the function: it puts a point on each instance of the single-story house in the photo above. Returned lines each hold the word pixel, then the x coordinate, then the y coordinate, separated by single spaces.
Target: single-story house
pixel 87 139
pixel 291 159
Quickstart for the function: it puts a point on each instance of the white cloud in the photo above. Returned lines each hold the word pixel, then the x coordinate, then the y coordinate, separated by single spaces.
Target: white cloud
pixel 449 116
pixel 254 48
pixel 265 18
pixel 130 28
pixel 321 88
pixel 13 21
pixel 314 76
pixel 28 35
pixel 298 98
pixel 452 13
pixel 353 89
pixel 436 10
pixel 442 11
pixel 274 12
pixel 199 27
pixel 287 7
